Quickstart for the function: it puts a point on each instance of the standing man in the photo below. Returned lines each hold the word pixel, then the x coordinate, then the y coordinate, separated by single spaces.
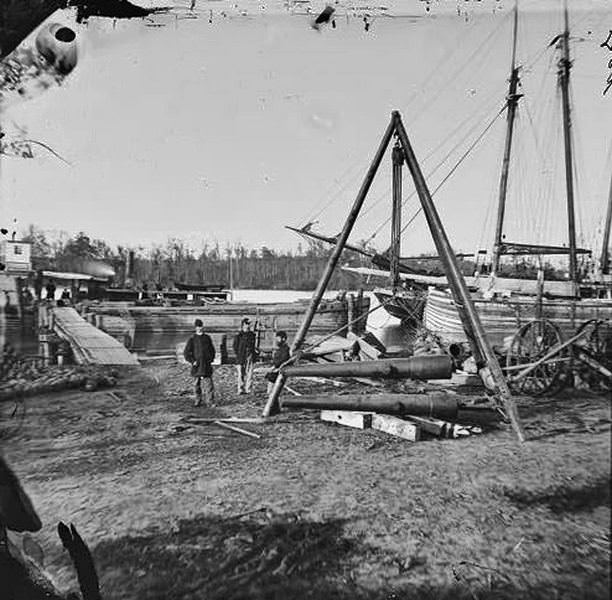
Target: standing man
pixel 245 350
pixel 38 284
pixel 200 353
pixel 50 287
pixel 280 355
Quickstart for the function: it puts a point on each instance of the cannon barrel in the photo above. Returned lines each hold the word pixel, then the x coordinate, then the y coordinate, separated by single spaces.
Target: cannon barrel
pixel 416 367
pixel 439 406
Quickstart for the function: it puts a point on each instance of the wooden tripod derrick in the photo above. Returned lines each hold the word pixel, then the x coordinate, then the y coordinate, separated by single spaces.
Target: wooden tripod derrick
pixel 483 353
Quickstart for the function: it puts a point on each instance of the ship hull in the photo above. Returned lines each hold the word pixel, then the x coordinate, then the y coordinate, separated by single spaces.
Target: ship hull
pixel 407 306
pixel 502 318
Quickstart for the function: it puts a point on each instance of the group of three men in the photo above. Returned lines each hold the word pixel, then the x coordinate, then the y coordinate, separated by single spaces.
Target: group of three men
pixel 200 353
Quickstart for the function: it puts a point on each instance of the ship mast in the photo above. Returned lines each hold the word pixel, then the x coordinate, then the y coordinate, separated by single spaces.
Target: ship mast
pixel 605 250
pixel 564 75
pixel 512 101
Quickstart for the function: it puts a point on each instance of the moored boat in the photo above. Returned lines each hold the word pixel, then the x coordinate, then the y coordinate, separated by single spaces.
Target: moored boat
pixel 502 317
pixel 160 329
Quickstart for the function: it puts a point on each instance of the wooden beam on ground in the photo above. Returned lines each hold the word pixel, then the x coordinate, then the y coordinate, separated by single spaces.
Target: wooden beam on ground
pixel 397 427
pixel 458 379
pixel 203 421
pixel 431 426
pixel 357 419
pixel 236 429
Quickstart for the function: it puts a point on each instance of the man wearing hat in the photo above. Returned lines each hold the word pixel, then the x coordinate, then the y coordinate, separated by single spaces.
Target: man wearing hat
pixel 280 356
pixel 200 353
pixel 245 350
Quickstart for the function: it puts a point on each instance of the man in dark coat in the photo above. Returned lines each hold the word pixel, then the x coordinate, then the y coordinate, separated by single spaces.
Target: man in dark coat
pixel 245 350
pixel 50 287
pixel 38 284
pixel 200 353
pixel 280 355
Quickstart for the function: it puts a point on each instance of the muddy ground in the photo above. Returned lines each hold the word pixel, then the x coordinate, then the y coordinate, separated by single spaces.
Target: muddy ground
pixel 314 510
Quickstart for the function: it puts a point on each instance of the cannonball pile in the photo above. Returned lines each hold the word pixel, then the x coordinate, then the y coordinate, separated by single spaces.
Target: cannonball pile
pixel 21 377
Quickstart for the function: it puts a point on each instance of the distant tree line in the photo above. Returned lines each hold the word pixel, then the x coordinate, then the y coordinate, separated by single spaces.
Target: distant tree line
pixel 243 267
pixel 165 265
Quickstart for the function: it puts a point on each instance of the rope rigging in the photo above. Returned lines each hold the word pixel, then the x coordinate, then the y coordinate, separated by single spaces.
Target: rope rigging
pixel 458 163
pixel 536 192
pixel 473 128
pixel 428 96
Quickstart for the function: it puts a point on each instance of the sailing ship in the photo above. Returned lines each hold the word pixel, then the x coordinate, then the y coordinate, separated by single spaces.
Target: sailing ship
pixel 504 303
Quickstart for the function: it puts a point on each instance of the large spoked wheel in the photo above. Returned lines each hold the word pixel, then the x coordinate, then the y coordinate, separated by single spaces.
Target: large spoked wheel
pixel 533 341
pixel 594 353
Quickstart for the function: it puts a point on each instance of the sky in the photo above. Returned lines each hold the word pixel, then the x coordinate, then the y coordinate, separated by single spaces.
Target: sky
pixel 227 131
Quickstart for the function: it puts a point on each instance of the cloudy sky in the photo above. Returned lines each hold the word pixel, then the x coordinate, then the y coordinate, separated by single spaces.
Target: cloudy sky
pixel 229 130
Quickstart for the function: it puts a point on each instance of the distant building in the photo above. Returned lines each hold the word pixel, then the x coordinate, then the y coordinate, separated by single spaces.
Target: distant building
pixel 16 257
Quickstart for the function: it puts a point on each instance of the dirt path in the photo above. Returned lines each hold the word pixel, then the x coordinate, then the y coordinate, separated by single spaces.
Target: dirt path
pixel 335 512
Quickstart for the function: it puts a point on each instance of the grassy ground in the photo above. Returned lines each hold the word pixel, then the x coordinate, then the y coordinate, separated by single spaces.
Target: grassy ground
pixel 331 512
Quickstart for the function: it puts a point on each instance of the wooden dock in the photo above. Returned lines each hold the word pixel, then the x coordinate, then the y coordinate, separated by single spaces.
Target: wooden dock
pixel 89 344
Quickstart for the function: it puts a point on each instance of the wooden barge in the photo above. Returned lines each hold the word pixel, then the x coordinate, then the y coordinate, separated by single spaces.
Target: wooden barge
pixel 155 330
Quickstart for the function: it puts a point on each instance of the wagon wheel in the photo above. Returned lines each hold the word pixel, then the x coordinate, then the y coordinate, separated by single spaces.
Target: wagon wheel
pixel 596 345
pixel 530 343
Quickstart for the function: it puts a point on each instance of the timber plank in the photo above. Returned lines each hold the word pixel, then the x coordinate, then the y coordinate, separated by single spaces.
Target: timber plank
pixel 397 427
pixel 357 419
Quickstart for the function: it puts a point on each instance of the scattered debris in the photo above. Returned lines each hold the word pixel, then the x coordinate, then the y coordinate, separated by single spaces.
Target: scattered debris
pixel 409 427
